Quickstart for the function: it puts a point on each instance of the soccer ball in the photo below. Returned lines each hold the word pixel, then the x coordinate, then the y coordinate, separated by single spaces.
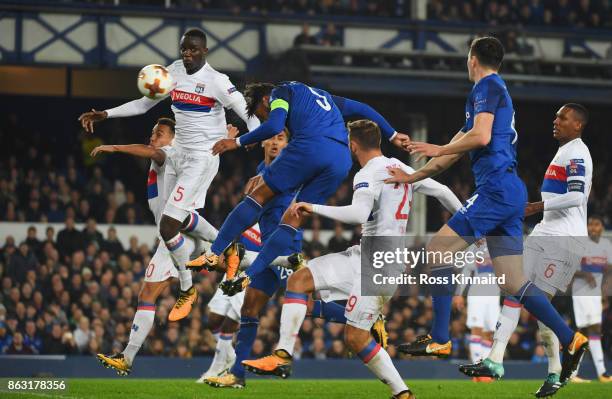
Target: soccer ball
pixel 155 82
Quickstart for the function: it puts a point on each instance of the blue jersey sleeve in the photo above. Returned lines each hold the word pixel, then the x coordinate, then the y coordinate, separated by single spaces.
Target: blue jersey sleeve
pixel 350 108
pixel 486 98
pixel 273 126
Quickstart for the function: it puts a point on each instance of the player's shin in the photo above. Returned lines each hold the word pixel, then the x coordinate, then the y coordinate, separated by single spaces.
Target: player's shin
pixel 279 242
pixel 292 317
pixel 330 311
pixel 180 250
pixel 475 348
pixel 141 326
pixel 244 343
pixel 506 324
pixel 242 217
pixel 379 362
pixel 551 348
pixel 537 303
pixel 597 353
pixel 441 303
pixel 198 227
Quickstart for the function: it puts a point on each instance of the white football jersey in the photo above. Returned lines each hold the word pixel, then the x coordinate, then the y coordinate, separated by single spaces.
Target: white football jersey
pixel 392 202
pixel 157 186
pixel 197 103
pixel 595 261
pixel 570 170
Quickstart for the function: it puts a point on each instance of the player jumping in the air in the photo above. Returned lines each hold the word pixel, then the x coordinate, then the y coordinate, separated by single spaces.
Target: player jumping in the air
pixel 247 305
pixel 496 210
pixel 161 269
pixel 586 292
pixel 383 210
pixel 197 102
pixel 555 246
pixel 315 162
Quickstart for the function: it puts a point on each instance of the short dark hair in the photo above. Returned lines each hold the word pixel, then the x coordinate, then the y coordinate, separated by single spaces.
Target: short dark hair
pixel 167 122
pixel 597 216
pixel 365 132
pixel 581 112
pixel 254 94
pixel 199 33
pixel 489 51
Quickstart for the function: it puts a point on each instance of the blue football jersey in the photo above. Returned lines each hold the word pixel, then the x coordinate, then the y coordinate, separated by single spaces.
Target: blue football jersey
pixel 491 95
pixel 311 112
pixel 272 213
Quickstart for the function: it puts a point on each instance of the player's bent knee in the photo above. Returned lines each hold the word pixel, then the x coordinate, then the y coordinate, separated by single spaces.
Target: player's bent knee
pixel 169 227
pixel 301 281
pixel 262 193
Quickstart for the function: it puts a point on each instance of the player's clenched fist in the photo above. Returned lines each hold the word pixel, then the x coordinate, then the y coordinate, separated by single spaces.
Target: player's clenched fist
pixel 87 119
pixel 299 208
pixel 224 145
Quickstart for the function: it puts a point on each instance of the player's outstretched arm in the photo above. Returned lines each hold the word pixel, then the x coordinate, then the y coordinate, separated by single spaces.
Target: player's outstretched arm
pixel 137 150
pixel 356 213
pixel 135 107
pixel 477 137
pixel 273 126
pixel 350 108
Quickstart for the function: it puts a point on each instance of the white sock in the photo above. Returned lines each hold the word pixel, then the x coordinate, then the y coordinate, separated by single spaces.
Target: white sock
pixel 249 258
pixel 141 326
pixel 551 348
pixel 597 354
pixel 485 348
pixel 180 248
pixel 223 350
pixel 475 348
pixel 292 317
pixel 508 320
pixel 199 227
pixel 379 362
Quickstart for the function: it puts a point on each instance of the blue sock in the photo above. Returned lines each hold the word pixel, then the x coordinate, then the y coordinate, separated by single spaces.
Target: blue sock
pixel 330 311
pixel 244 343
pixel 441 299
pixel 240 218
pixel 278 243
pixel 536 303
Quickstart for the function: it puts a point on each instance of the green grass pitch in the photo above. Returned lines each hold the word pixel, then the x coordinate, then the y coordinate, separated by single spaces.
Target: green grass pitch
pixel 126 388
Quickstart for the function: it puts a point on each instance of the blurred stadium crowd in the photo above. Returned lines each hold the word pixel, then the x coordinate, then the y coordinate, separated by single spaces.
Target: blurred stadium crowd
pixel 76 293
pixel 572 13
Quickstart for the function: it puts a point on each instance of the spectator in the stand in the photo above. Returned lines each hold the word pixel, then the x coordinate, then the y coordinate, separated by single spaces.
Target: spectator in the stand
pixel 17 347
pixel 130 212
pixel 83 334
pixel 304 37
pixel 5 338
pixel 33 242
pixel 583 13
pixel 31 337
pixel 112 244
pixel 314 248
pixel 564 15
pixel 337 243
pixel 91 233
pixel 69 239
pixel 330 36
pixel 20 263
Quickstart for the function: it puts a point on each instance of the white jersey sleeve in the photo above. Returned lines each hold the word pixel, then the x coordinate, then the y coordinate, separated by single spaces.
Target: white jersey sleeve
pixel 364 196
pixel 434 189
pixel 132 108
pixel 227 94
